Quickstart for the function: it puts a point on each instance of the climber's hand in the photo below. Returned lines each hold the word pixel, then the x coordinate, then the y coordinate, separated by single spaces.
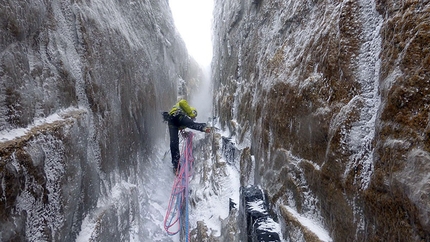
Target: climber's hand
pixel 207 129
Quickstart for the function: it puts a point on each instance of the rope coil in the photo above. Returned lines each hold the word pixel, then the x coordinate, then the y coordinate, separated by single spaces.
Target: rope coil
pixel 177 212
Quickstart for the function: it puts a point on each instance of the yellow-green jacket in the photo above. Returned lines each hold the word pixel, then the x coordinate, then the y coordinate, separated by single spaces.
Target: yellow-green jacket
pixel 182 107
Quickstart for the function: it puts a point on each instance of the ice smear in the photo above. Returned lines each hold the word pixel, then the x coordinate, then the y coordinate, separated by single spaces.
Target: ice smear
pixel 115 198
pixel 361 135
pixel 313 226
pixel 87 229
pixel 8 135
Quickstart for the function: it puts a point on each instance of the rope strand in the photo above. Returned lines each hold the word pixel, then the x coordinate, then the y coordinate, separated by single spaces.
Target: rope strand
pixel 177 209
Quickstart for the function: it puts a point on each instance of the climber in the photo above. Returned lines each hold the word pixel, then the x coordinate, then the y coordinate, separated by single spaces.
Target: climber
pixel 181 116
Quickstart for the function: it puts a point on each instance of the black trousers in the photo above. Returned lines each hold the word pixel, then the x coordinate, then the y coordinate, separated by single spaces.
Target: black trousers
pixel 175 123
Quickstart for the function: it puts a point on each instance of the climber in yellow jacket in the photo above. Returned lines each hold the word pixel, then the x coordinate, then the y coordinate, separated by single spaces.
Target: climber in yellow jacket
pixel 181 116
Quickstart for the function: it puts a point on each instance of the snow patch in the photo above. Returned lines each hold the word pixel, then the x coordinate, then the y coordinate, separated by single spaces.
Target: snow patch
pixel 214 205
pixel 311 225
pixel 114 197
pixel 62 115
pixel 257 206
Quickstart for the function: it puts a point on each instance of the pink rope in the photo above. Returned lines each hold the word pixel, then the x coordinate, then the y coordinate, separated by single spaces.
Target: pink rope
pixel 178 203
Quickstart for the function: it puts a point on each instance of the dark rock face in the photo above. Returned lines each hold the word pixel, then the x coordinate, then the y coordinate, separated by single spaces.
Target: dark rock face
pixel 82 84
pixel 258 223
pixel 332 99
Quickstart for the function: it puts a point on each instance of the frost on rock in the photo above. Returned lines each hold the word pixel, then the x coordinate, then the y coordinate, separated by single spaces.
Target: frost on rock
pixel 332 99
pixel 82 84
pixel 258 224
pixel 362 133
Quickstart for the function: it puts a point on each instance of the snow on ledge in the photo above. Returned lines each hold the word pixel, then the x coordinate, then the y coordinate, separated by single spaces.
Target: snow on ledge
pixel 62 115
pixel 313 226
pixel 257 206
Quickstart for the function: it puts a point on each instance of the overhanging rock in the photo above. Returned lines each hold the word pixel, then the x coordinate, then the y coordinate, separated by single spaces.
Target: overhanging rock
pixel 254 210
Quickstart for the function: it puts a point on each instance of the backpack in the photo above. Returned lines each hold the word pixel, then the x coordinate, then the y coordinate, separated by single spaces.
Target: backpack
pixel 166 116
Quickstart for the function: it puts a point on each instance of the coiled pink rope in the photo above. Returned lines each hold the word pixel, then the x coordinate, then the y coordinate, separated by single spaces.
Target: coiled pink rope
pixel 177 212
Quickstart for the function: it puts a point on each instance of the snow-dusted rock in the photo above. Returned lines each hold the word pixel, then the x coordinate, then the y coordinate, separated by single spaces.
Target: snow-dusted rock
pixel 258 224
pixel 332 100
pixel 82 84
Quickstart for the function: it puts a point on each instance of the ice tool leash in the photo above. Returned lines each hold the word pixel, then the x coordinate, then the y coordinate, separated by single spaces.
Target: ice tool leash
pixel 176 217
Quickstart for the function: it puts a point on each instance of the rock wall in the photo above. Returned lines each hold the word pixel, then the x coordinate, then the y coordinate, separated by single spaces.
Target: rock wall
pixel 332 99
pixel 82 84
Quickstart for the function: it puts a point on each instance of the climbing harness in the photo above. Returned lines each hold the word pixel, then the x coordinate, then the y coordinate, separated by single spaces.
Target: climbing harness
pixel 177 212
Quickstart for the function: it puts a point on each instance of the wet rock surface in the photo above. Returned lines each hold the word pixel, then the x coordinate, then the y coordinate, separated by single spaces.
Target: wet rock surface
pixel 103 70
pixel 331 101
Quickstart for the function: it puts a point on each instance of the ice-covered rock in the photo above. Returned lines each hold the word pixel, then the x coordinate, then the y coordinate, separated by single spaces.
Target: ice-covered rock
pixel 258 224
pixel 331 102
pixel 82 85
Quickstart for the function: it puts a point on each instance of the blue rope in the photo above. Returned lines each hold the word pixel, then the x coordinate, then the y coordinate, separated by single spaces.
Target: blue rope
pixel 187 162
